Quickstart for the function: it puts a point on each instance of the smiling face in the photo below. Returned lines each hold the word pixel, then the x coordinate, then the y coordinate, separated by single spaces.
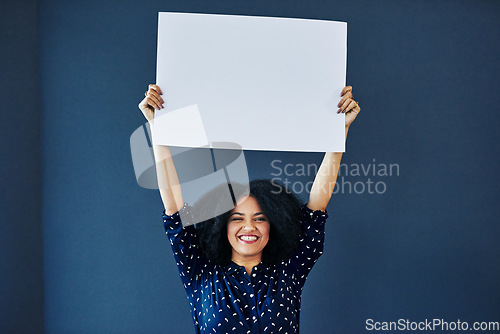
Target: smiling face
pixel 247 231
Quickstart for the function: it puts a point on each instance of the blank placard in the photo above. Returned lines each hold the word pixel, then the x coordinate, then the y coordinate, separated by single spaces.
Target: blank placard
pixel 262 83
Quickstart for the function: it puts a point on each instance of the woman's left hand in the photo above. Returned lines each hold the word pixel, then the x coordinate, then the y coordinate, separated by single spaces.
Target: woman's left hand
pixel 348 106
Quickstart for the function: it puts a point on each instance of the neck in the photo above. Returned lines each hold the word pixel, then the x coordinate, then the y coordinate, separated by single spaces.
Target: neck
pixel 245 263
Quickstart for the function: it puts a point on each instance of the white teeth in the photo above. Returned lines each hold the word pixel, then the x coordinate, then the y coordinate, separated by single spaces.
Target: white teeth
pixel 248 238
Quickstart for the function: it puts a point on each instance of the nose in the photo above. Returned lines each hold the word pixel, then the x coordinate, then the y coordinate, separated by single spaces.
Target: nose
pixel 249 226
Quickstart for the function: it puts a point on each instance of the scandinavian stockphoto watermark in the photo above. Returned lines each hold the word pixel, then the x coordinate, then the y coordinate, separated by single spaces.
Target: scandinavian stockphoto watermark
pixel 431 325
pixel 207 174
pixel 354 178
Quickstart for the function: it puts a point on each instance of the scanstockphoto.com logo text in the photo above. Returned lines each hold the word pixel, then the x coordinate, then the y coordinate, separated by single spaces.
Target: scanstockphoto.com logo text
pixel 354 178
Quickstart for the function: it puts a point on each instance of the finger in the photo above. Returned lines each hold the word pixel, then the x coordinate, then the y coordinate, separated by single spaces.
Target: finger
pixel 356 109
pixel 155 88
pixel 345 90
pixel 155 97
pixel 345 97
pixel 350 107
pixel 344 105
pixel 153 103
pixel 155 94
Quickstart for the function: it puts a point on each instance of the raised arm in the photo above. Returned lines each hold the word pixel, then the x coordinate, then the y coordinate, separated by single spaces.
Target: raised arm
pixel 325 179
pixel 168 181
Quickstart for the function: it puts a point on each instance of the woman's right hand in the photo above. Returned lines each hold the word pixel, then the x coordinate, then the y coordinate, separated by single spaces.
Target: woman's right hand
pixel 151 102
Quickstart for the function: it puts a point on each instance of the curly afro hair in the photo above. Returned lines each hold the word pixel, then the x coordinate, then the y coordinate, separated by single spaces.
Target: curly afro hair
pixel 281 207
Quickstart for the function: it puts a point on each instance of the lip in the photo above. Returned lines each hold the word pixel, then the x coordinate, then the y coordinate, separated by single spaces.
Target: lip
pixel 248 241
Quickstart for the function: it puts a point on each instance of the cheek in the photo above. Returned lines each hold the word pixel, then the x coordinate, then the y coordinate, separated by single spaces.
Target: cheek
pixel 265 232
pixel 231 230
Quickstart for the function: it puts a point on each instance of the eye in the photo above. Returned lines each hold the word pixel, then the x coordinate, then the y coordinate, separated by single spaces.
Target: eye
pixel 236 219
pixel 261 219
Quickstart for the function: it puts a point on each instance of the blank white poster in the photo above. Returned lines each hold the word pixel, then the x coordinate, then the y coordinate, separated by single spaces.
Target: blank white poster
pixel 262 83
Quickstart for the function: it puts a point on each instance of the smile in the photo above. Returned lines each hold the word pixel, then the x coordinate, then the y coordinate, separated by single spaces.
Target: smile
pixel 248 238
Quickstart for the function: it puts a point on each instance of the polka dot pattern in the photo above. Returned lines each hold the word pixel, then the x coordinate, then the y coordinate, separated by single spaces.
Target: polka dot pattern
pixel 225 299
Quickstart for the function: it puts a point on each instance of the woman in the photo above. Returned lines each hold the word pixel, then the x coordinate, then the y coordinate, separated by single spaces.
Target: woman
pixel 244 270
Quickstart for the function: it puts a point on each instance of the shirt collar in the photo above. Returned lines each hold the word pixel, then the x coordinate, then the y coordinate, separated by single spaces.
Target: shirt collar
pixel 265 268
pixel 232 268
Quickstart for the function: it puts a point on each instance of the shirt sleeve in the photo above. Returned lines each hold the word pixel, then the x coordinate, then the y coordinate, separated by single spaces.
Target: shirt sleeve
pixel 184 244
pixel 311 242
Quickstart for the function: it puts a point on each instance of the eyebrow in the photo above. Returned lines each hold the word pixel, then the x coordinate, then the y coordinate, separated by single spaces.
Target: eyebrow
pixel 242 214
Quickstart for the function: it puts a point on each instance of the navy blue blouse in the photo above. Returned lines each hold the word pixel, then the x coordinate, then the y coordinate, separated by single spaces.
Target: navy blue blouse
pixel 225 299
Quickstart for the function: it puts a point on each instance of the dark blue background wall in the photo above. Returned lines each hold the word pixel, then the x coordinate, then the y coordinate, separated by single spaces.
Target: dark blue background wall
pixel 426 75
pixel 21 260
